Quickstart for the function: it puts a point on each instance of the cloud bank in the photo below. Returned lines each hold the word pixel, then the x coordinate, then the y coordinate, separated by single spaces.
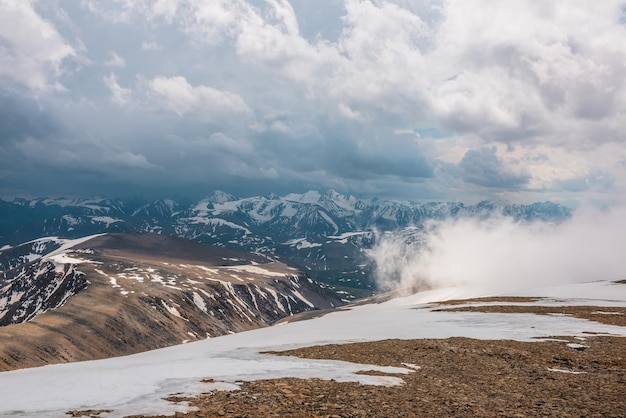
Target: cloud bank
pixel 426 99
pixel 499 254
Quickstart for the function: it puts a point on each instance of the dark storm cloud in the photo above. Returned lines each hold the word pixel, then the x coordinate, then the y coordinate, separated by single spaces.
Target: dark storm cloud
pixel 484 168
pixel 22 117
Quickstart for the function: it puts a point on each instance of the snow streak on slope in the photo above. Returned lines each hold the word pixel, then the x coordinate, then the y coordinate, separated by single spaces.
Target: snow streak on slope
pixel 14 256
pixel 137 384
pixel 500 253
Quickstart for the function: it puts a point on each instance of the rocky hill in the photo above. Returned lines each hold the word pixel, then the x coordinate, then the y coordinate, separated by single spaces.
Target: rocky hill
pixel 117 294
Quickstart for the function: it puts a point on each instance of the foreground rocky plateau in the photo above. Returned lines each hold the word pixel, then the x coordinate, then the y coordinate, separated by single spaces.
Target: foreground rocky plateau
pixel 461 377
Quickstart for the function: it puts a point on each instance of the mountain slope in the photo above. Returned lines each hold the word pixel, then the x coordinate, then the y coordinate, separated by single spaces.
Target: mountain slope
pixel 119 294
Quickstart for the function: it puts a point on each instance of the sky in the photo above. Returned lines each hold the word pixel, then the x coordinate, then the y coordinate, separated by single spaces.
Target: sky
pixel 423 100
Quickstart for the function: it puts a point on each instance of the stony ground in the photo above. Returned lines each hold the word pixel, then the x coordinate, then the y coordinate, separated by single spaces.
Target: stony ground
pixel 458 377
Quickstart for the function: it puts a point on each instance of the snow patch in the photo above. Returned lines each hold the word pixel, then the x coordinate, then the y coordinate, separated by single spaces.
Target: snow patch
pixel 329 220
pixel 67 244
pixel 106 220
pixel 412 366
pixel 565 371
pixel 343 238
pixel 301 243
pixel 255 269
pixel 199 302
pixel 66 259
pixel 172 310
pixel 302 298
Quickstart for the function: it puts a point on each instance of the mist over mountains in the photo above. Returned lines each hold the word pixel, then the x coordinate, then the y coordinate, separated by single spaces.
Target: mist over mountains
pixel 327 234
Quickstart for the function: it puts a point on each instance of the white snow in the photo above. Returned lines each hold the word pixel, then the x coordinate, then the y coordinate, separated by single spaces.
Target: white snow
pixel 606 313
pixel 201 207
pixel 576 346
pixel 343 238
pixel 309 197
pixel 329 220
pixel 71 221
pixel 412 366
pixel 302 298
pixel 106 220
pixel 172 310
pixel 254 269
pixel 32 257
pixel 199 302
pixel 263 210
pixel 226 207
pixel 216 222
pixel 64 258
pixel 301 243
pixel 289 211
pixel 564 371
pixel 275 295
pixel 67 244
pixel 64 202
pixel 137 383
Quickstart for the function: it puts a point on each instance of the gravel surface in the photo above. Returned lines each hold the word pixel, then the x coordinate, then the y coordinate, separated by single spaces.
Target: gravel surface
pixel 453 377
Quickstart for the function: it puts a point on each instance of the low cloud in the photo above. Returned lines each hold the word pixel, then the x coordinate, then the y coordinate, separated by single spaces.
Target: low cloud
pixel 499 254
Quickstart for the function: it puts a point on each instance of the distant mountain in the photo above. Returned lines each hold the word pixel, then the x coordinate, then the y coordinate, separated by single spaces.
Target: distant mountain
pixel 324 233
pixel 117 294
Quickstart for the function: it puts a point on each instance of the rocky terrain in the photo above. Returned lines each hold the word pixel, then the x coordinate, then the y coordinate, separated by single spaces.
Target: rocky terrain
pixel 118 294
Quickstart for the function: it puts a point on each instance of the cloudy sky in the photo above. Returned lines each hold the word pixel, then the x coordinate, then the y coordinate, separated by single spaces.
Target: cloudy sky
pixel 424 100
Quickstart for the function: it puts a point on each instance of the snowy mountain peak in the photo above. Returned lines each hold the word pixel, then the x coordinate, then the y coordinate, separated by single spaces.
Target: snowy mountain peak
pixel 311 196
pixel 163 208
pixel 219 196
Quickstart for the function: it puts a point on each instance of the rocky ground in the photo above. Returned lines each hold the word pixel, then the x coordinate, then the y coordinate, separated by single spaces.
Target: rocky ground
pixel 458 377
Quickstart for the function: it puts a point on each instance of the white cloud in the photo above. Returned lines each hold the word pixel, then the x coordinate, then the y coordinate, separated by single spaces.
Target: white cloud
pixel 115 60
pixel 32 51
pixel 127 159
pixel 119 95
pixel 536 63
pixel 175 94
pixel 79 154
pixel 541 83
pixel 150 46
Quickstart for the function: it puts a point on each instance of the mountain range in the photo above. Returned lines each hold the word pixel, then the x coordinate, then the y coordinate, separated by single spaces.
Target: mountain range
pixel 326 234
